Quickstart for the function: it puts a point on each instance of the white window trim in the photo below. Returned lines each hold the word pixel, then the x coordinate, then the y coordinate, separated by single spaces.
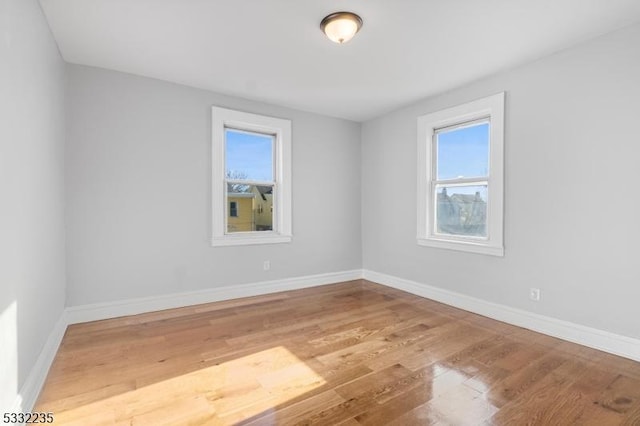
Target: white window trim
pixel 222 118
pixel 493 107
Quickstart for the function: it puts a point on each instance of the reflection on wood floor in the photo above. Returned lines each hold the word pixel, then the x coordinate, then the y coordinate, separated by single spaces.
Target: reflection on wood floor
pixel 350 353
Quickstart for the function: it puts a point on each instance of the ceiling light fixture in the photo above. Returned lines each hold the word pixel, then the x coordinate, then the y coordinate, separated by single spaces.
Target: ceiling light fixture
pixel 340 27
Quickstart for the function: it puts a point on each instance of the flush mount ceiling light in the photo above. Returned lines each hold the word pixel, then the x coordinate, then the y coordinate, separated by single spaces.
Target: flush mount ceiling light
pixel 340 27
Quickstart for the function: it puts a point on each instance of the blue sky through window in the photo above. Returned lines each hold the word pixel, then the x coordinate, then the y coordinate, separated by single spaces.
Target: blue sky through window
pixel 249 153
pixel 463 152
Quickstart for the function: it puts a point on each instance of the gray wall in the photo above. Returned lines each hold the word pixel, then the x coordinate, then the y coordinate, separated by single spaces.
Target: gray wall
pixel 32 246
pixel 572 198
pixel 138 192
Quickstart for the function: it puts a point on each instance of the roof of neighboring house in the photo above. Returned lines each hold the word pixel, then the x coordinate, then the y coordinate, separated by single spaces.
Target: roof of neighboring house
pixel 240 195
pixel 263 190
pixel 466 198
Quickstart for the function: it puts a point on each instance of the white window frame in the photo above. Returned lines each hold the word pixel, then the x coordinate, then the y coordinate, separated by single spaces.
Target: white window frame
pixel 222 119
pixel 491 107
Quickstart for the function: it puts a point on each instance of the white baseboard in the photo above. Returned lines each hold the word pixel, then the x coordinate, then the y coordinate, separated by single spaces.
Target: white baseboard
pixel 29 392
pixel 609 342
pixel 100 311
pixel 616 344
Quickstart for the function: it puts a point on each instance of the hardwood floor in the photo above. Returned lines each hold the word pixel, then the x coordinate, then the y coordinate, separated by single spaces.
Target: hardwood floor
pixel 349 354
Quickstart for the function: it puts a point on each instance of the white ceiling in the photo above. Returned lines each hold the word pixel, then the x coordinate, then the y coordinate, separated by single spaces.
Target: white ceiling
pixel 274 51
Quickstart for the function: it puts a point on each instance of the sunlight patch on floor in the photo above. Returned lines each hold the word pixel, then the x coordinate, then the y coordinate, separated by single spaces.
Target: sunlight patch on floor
pixel 221 394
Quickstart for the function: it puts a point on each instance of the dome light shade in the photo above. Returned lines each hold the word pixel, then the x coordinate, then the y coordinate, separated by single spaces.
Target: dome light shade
pixel 340 27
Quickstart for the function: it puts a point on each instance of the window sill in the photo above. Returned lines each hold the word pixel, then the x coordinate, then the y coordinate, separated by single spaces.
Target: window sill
pixel 247 240
pixel 470 247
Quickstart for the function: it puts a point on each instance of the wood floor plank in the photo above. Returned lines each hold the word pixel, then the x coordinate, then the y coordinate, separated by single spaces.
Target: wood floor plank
pixel 395 407
pixel 520 382
pixel 364 392
pixel 622 395
pixel 295 412
pixel 344 354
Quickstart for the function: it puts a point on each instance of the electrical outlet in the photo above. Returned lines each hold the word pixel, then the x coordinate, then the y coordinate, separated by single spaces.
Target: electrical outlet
pixel 266 265
pixel 534 294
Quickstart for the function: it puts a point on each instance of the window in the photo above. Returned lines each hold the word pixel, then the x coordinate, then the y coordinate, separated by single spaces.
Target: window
pixel 460 177
pixel 233 209
pixel 251 178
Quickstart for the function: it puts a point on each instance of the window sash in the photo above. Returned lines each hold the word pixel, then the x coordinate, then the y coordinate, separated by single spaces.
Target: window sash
pixel 274 208
pixel 274 148
pixel 456 126
pixel 433 205
pixel 252 182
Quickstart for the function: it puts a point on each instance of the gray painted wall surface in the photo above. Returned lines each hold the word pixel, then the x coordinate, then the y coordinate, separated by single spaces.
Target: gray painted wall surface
pixel 138 192
pixel 572 174
pixel 32 248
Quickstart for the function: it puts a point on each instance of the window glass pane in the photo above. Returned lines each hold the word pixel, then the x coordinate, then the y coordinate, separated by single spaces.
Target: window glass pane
pixel 463 152
pixel 252 206
pixel 461 210
pixel 249 156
